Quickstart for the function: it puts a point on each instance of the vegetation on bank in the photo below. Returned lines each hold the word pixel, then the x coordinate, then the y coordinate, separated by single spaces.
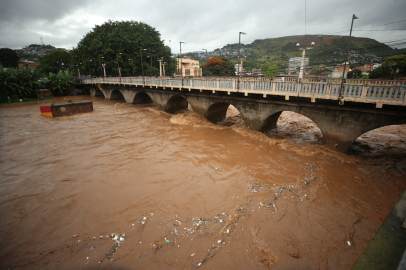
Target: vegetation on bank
pixel 22 84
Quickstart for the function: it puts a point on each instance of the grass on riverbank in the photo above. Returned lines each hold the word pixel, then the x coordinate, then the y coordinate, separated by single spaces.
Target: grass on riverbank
pixel 26 101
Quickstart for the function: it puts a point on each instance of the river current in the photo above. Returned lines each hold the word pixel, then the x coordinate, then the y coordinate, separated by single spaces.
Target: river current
pixel 132 187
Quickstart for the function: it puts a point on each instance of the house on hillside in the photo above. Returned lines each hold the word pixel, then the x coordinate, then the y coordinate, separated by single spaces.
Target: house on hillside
pixel 338 70
pixel 25 64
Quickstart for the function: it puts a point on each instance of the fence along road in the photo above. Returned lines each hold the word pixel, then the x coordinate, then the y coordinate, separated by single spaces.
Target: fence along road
pixel 380 92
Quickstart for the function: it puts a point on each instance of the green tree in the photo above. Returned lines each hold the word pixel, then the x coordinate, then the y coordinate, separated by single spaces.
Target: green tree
pixel 396 63
pixel 382 72
pixel 60 83
pixel 354 74
pixel 269 69
pixel 218 66
pixel 19 83
pixel 8 58
pixel 55 61
pixel 123 40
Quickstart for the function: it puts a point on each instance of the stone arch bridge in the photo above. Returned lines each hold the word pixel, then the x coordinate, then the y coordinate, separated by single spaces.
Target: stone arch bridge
pixel 340 125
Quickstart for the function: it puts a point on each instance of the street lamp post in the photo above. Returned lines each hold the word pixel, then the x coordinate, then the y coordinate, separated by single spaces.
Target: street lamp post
pixel 180 55
pixel 101 66
pixel 150 71
pixel 321 43
pixel 118 65
pixel 206 60
pixel 88 66
pixel 303 59
pixel 104 69
pixel 142 65
pixel 238 65
pixel 132 63
pixel 346 58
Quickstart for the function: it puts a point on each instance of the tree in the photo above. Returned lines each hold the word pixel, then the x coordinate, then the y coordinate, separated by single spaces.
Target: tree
pixel 19 83
pixel 269 69
pixel 60 83
pixel 55 61
pixel 354 74
pixel 396 63
pixel 8 58
pixel 218 66
pixel 382 72
pixel 123 40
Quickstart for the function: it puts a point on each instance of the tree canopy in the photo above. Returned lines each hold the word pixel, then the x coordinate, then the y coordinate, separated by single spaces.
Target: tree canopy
pixel 55 61
pixel 218 66
pixel 124 41
pixel 269 69
pixel 8 58
pixel 396 63
pixel 354 74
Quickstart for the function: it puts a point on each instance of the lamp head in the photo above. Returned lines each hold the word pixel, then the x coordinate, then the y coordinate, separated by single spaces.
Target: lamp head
pixel 297 44
pixel 354 17
pixel 312 44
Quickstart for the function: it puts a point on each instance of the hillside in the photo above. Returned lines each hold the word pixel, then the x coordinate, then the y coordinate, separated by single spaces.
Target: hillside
pixel 329 52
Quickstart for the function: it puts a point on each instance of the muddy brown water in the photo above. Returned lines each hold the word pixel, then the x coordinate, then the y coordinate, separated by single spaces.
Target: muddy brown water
pixel 132 187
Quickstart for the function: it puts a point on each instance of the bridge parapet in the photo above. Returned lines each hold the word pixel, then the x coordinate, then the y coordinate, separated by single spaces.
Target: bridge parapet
pixel 364 91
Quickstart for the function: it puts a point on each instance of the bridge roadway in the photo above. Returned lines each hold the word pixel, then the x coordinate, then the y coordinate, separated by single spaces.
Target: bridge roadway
pixel 365 105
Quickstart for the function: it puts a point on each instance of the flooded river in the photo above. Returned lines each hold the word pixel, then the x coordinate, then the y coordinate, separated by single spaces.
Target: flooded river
pixel 132 187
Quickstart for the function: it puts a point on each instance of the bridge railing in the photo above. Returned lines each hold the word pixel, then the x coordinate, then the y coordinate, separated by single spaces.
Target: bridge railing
pixel 353 90
pixel 396 92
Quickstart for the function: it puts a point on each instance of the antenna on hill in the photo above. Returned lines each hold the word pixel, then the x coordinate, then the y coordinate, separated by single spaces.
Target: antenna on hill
pixel 42 43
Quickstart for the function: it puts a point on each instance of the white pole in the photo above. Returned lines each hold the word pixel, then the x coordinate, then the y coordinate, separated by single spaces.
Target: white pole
pixel 302 65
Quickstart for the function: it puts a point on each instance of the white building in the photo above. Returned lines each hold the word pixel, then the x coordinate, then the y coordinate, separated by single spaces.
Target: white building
pixel 238 67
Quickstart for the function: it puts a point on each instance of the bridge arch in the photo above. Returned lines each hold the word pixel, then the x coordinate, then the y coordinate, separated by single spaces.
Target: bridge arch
pixel 293 125
pixel 270 122
pixel 176 103
pixel 218 111
pixel 98 93
pixel 116 94
pixel 388 140
pixel 142 98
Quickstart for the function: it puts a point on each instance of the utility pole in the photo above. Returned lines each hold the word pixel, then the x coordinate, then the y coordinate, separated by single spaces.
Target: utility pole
pixel 252 54
pixel 346 58
pixel 238 68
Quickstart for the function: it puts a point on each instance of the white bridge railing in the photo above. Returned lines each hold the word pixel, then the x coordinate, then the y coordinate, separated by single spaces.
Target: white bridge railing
pixel 379 92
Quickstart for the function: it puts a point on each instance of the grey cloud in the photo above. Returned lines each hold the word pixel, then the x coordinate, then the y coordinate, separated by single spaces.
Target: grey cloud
pixel 202 24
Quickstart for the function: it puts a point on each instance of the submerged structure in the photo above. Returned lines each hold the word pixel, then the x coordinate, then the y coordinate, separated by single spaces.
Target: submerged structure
pixel 69 108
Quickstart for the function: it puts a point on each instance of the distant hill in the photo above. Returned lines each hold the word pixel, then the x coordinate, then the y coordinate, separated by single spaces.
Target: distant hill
pixel 330 51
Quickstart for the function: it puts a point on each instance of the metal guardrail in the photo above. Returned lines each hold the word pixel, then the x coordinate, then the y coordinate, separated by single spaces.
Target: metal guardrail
pixel 367 93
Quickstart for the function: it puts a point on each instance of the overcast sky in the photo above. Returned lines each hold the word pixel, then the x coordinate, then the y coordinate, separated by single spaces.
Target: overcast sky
pixel 204 24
